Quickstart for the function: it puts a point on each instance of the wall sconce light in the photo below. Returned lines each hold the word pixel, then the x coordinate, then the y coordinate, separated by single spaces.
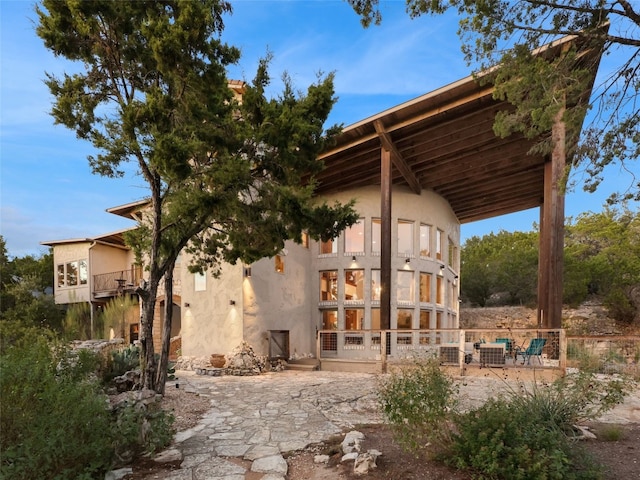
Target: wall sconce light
pixel 441 266
pixel 232 302
pixel 247 272
pixel 455 277
pixel 187 305
pixel 353 259
pixel 407 260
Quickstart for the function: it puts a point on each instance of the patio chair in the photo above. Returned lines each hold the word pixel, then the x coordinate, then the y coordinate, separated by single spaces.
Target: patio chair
pixel 533 350
pixel 508 345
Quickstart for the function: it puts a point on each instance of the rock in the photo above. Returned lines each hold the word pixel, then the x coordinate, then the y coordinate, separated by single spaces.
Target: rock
pixel 274 464
pixel 169 455
pixel 118 474
pixel 321 459
pixel 351 442
pixel 583 433
pixel 349 456
pixel 365 462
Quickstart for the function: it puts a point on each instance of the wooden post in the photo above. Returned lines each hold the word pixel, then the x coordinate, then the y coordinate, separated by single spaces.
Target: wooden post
pixel 385 234
pixel 552 232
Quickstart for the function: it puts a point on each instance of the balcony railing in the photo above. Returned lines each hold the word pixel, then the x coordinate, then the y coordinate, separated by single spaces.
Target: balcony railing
pixel 116 283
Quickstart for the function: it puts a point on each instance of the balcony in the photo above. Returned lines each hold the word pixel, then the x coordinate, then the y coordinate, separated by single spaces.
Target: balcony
pixel 113 284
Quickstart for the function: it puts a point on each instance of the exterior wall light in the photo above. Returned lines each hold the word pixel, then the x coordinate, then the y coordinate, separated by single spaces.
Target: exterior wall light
pixel 232 302
pixel 187 305
pixel 407 260
pixel 247 272
pixel 353 259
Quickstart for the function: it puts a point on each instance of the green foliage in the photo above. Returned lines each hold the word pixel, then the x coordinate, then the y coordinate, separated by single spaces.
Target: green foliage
pixel 31 306
pixel 418 402
pixel 121 362
pixel 77 321
pixel 116 315
pixel 53 418
pixel 501 440
pixel 140 431
pixel 523 434
pixel 503 264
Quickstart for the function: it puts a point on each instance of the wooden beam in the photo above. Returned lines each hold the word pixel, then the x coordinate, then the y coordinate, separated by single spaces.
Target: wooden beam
pixel 396 156
pixel 385 234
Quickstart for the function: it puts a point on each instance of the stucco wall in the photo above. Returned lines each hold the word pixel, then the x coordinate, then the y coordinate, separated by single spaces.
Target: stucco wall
pixel 209 323
pixel 269 300
pixel 69 253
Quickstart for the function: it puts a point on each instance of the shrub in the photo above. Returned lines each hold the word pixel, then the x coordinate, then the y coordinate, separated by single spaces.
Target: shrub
pixel 121 362
pixel 418 402
pixel 53 418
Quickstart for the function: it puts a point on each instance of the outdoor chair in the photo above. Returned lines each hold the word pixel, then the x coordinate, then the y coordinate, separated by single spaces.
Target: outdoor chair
pixel 533 350
pixel 508 345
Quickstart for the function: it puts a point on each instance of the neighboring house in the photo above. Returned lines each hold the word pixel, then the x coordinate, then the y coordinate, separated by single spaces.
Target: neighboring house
pixel 417 171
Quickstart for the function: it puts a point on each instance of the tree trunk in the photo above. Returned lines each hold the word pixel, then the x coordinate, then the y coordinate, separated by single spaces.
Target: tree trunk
pixel 147 354
pixel 161 376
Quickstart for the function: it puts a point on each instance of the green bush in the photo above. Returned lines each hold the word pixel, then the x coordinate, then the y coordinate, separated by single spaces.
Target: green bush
pixel 121 362
pixel 418 402
pixel 53 424
pixel 502 440
pixel 54 419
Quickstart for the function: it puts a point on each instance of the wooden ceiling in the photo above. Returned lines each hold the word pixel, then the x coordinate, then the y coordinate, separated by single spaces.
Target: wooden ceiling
pixel 442 141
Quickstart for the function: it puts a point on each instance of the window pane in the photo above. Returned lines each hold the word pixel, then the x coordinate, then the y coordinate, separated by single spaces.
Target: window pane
pixel 439 291
pixel 83 272
pixel 199 282
pixel 353 318
pixel 279 264
pixel 329 286
pixel 405 286
pixel 405 237
pixel 376 226
pixel 376 286
pixel 329 319
pixel 72 274
pixel 354 238
pixel 425 319
pixel 425 287
pixel 405 319
pixel 61 275
pixel 439 235
pixel 452 254
pixel 354 284
pixel 330 246
pixel 305 240
pixel 425 240
pixel 375 319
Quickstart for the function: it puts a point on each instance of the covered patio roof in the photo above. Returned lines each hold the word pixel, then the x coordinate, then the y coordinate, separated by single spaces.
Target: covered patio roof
pixel 444 141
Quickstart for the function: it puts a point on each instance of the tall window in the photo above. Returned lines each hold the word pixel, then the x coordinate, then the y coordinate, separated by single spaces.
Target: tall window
pixel 376 235
pixel 439 291
pixel 439 240
pixel 83 272
pixel 72 274
pixel 404 287
pixel 425 319
pixel 425 240
pixel 354 284
pixel 405 238
pixel 199 282
pixel 329 319
pixel 354 238
pixel 375 319
pixel 452 254
pixel 405 319
pixel 305 240
pixel 61 275
pixel 353 318
pixel 329 286
pixel 376 286
pixel 329 247
pixel 425 287
pixel 279 264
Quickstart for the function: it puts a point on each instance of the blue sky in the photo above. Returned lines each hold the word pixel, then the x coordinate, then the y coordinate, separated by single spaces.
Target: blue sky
pixel 48 191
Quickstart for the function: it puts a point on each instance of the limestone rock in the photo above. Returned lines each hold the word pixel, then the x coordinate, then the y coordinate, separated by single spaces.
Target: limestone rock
pixel 351 442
